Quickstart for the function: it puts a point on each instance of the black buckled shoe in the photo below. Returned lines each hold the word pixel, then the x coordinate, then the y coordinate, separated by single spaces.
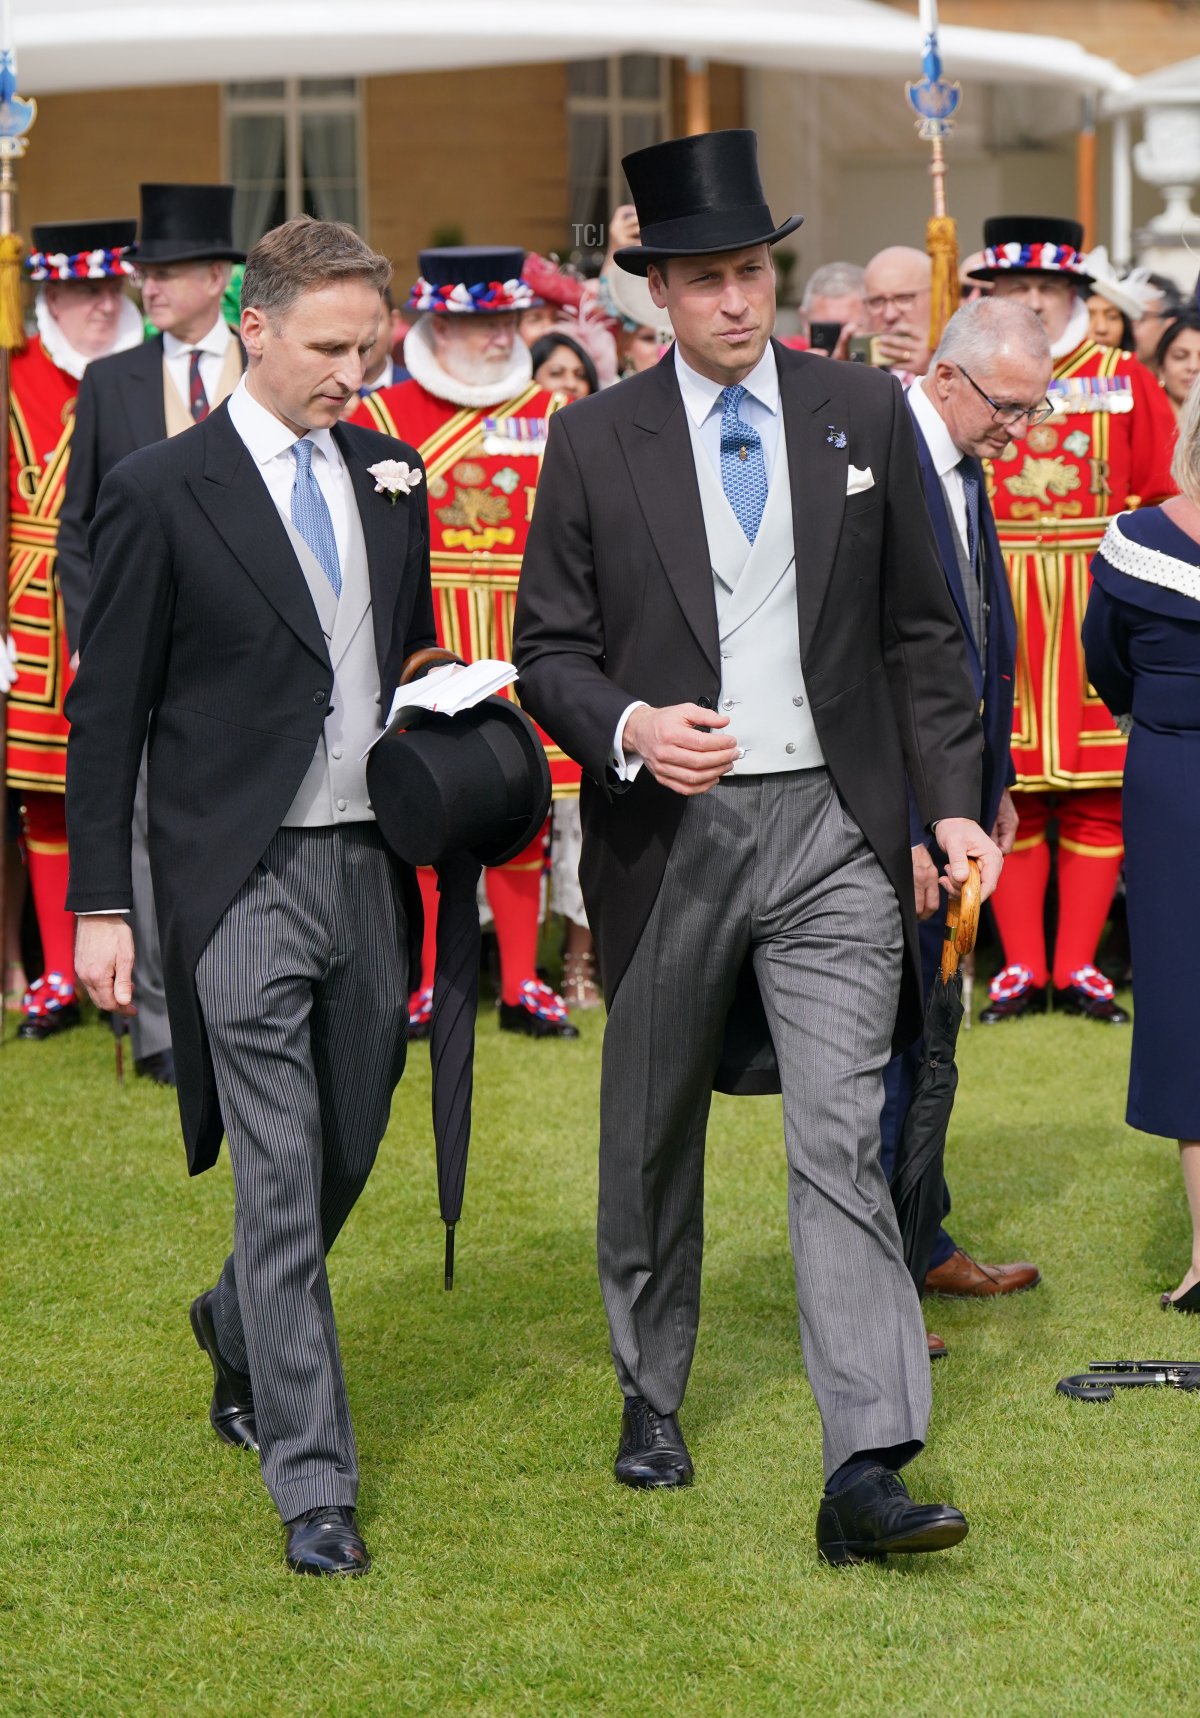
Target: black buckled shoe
pixel 876 1515
pixel 1012 993
pixel 231 1412
pixel 1090 994
pixel 652 1453
pixel 326 1541
pixel 159 1066
pixel 541 1013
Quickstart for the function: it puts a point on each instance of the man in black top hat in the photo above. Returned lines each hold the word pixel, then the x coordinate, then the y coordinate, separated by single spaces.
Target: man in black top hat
pixel 184 253
pixel 735 544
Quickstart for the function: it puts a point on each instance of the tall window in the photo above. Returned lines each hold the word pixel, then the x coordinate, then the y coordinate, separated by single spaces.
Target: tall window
pixel 292 147
pixel 613 107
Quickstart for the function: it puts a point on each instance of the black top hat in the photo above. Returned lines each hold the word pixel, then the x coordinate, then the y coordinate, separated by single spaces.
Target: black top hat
pixel 476 783
pixel 1032 244
pixel 483 279
pixel 696 195
pixel 187 223
pixel 80 250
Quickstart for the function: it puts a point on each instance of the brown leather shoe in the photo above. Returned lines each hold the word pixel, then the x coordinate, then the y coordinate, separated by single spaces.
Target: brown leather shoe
pixel 937 1348
pixel 963 1275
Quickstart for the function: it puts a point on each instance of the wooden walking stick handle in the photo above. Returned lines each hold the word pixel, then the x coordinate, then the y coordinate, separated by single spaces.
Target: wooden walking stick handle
pixel 962 922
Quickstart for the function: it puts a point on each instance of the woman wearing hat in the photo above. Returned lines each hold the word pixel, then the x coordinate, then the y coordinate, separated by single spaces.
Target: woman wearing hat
pixel 1106 448
pixel 80 270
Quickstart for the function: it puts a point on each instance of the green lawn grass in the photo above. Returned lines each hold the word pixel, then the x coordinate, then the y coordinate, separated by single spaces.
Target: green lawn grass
pixel 140 1560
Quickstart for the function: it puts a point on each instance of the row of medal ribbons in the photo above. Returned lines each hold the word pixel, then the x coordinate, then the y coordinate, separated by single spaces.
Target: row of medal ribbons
pixel 1091 394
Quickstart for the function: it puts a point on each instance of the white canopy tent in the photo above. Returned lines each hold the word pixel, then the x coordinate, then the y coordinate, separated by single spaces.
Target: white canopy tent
pixel 112 44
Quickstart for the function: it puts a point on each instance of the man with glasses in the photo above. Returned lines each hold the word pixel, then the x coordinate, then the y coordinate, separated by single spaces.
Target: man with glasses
pixel 1105 448
pixel 896 289
pixel 986 386
pixel 183 258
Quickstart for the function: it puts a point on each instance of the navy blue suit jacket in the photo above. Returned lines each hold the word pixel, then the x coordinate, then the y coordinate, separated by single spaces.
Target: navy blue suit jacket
pixel 994 675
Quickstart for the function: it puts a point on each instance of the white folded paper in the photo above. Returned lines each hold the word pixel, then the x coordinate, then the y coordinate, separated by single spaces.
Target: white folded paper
pixel 448 690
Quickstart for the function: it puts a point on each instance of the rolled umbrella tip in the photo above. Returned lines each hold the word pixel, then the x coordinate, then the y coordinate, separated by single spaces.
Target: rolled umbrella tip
pixel 449 1255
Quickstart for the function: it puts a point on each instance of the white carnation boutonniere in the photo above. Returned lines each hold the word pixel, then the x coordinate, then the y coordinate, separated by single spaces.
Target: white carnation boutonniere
pixel 393 477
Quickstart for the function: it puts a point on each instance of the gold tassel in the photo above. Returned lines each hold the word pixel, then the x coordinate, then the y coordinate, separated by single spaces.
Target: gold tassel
pixel 941 242
pixel 12 319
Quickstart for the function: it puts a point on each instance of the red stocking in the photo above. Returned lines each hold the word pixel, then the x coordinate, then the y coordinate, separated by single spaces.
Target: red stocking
pixel 514 894
pixel 46 846
pixel 427 883
pixel 1019 902
pixel 1090 850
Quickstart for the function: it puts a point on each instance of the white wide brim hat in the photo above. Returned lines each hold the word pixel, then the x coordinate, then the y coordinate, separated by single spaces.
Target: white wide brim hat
pixel 630 294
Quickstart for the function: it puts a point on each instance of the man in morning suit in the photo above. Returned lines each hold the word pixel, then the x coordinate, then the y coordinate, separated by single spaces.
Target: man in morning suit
pixel 184 253
pixel 734 544
pixel 254 603
pixel 986 386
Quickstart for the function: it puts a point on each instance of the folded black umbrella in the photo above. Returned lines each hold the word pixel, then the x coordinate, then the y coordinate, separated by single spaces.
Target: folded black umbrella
pixel 917 1174
pixel 458 792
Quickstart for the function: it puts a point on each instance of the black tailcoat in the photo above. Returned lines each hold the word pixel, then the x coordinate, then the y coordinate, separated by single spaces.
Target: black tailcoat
pixel 119 408
pixel 201 625
pixel 616 603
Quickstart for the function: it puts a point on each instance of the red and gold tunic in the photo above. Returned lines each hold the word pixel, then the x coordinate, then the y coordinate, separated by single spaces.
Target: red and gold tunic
pixel 41 418
pixel 482 466
pixel 1107 447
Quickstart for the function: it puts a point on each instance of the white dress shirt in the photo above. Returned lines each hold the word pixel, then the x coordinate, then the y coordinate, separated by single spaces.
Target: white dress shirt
pixel 212 349
pixel 943 452
pixel 270 442
pixel 703 403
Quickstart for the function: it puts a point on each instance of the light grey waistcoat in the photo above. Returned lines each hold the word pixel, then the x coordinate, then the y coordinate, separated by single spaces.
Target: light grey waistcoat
pixel 335 788
pixel 762 682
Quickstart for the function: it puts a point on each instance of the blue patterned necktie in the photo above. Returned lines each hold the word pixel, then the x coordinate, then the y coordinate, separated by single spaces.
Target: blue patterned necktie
pixel 743 468
pixel 311 516
pixel 969 473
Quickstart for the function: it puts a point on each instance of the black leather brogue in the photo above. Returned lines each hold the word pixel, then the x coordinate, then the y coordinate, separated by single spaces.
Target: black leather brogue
pixel 232 1409
pixel 652 1452
pixel 876 1515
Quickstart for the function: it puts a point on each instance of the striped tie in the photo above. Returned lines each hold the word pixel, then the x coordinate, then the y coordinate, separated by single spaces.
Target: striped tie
pixel 311 516
pixel 197 398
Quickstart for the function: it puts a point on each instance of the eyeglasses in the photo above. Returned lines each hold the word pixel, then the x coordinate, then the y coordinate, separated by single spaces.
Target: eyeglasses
pixel 1010 416
pixel 903 301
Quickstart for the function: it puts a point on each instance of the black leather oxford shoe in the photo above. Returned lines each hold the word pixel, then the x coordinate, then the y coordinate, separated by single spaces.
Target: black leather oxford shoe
pixel 326 1541
pixel 232 1409
pixel 876 1515
pixel 652 1451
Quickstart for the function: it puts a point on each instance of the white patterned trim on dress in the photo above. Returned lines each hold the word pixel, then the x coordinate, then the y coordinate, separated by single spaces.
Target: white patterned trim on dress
pixel 1152 566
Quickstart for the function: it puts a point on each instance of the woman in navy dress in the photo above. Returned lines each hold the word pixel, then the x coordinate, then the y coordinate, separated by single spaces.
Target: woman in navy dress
pixel 1141 637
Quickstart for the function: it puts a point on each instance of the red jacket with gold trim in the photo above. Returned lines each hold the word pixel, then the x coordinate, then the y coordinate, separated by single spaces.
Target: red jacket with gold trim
pixel 1107 448
pixel 482 467
pixel 41 418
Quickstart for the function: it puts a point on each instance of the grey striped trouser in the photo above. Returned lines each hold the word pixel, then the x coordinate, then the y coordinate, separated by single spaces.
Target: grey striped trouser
pixel 303 991
pixel 775 867
pixel 149 1029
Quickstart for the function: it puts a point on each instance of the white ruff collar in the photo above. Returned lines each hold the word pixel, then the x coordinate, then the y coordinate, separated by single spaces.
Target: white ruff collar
pixel 130 332
pixel 1074 334
pixel 423 367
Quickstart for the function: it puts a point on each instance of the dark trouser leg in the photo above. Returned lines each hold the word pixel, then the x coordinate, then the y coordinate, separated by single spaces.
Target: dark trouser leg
pixel 661 1048
pixel 149 1029
pixel 301 987
pixel 827 953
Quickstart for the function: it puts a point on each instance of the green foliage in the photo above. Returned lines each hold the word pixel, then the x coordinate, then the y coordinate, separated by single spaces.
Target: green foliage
pixel 140 1560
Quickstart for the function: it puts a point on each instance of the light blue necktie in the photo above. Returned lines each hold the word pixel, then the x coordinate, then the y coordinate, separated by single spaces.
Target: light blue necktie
pixel 311 516
pixel 743 468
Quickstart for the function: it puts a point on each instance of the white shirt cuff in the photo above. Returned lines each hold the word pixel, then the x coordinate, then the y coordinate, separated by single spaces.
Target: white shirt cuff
pixel 625 765
pixel 105 913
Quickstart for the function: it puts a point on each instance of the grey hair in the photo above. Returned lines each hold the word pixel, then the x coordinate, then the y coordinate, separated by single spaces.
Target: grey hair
pixel 977 332
pixel 303 254
pixel 833 280
pixel 1185 462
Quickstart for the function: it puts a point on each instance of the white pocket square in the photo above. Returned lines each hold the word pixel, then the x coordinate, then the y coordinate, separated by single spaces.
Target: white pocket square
pixel 857 480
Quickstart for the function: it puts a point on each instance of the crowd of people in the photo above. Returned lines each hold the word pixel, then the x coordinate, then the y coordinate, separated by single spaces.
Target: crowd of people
pixel 1058 405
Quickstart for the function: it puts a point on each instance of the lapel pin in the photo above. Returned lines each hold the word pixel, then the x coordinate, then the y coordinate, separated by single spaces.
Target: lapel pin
pixel 836 437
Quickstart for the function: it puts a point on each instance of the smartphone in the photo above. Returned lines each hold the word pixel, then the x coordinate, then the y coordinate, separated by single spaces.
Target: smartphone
pixel 824 336
pixel 864 349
